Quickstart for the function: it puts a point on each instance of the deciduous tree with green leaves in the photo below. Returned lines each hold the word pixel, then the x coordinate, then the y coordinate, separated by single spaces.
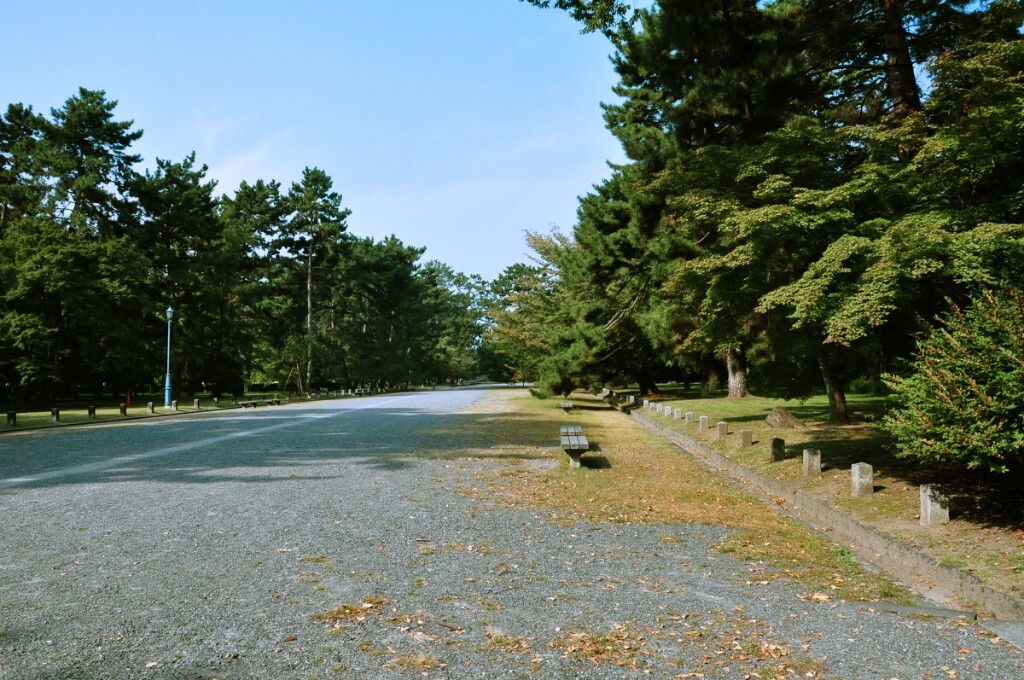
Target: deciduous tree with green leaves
pixel 962 404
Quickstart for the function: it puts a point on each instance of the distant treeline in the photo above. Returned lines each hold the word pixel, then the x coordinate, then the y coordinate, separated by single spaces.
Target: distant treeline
pixel 267 286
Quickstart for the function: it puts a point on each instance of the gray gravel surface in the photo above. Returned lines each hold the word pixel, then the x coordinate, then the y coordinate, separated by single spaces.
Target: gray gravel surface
pixel 213 546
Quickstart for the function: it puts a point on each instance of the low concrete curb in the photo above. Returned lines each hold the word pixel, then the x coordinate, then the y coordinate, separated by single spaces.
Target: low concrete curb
pixel 887 552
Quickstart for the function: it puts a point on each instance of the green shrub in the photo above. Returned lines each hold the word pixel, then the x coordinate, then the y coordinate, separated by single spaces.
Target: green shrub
pixel 962 406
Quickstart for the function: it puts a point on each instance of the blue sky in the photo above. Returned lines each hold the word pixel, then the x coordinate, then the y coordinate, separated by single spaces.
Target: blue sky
pixel 453 124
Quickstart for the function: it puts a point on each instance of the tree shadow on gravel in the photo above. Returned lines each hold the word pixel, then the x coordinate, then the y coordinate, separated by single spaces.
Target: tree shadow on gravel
pixel 261 450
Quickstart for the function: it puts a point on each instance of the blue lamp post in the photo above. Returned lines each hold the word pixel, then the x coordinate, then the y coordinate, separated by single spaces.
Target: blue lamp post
pixel 167 383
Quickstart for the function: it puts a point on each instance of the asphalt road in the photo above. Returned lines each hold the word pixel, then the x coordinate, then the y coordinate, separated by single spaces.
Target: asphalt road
pixel 348 539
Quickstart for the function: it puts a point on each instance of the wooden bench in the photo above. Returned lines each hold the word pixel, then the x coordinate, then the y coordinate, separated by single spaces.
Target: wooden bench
pixel 567 405
pixel 573 443
pixel 253 403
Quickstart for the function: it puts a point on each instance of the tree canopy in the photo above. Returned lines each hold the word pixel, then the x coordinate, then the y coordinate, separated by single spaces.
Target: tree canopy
pixel 807 182
pixel 269 288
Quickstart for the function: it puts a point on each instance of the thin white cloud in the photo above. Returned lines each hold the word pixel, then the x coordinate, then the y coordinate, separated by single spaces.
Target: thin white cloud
pixel 261 160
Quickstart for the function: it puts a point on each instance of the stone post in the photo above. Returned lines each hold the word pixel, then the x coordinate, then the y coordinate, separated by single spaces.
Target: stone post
pixel 12 418
pixel 216 402
pixel 705 423
pixel 812 462
pixel 934 505
pixel 91 412
pixel 677 414
pixel 174 405
pixel 778 449
pixel 149 407
pixel 123 409
pixel 746 438
pixel 723 429
pixel 647 403
pixel 195 404
pixel 862 480
pixel 659 407
pixel 55 415
pixel 689 417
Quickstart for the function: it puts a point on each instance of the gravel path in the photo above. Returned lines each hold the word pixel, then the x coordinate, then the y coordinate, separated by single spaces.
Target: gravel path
pixel 339 540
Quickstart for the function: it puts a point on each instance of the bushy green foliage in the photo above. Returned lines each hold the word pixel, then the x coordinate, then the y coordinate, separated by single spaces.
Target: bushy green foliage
pixel 962 406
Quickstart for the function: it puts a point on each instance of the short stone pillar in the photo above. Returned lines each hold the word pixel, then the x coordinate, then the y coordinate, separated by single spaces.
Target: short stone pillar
pixel 689 417
pixel 659 407
pixel 123 409
pixel 746 438
pixel 216 402
pixel 195 404
pixel 862 480
pixel 812 462
pixel 705 423
pixel 677 414
pixel 647 403
pixel 778 449
pixel 150 408
pixel 174 405
pixel 12 418
pixel 55 415
pixel 934 505
pixel 91 412
pixel 723 429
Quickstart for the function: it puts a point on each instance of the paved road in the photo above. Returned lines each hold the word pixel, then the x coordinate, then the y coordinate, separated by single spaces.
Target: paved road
pixel 214 545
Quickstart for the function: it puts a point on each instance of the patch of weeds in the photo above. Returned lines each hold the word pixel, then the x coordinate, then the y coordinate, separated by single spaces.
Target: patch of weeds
pixel 488 605
pixel 622 646
pixel 310 577
pixel 372 649
pixel 403 663
pixel 418 582
pixel 509 644
pixel 352 613
pixel 952 561
pixel 326 563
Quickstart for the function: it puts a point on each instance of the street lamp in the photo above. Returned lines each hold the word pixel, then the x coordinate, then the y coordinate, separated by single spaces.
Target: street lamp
pixel 167 383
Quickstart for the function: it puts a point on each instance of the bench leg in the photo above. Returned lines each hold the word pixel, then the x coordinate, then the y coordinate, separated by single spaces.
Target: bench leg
pixel 574 458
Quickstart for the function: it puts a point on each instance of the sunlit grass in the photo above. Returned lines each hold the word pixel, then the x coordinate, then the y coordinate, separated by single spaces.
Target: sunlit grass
pixel 632 476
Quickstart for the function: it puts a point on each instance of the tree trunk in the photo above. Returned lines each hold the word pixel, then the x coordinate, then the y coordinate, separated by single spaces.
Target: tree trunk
pixel 309 318
pixel 837 411
pixel 736 364
pixel 899 67
pixel 647 385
